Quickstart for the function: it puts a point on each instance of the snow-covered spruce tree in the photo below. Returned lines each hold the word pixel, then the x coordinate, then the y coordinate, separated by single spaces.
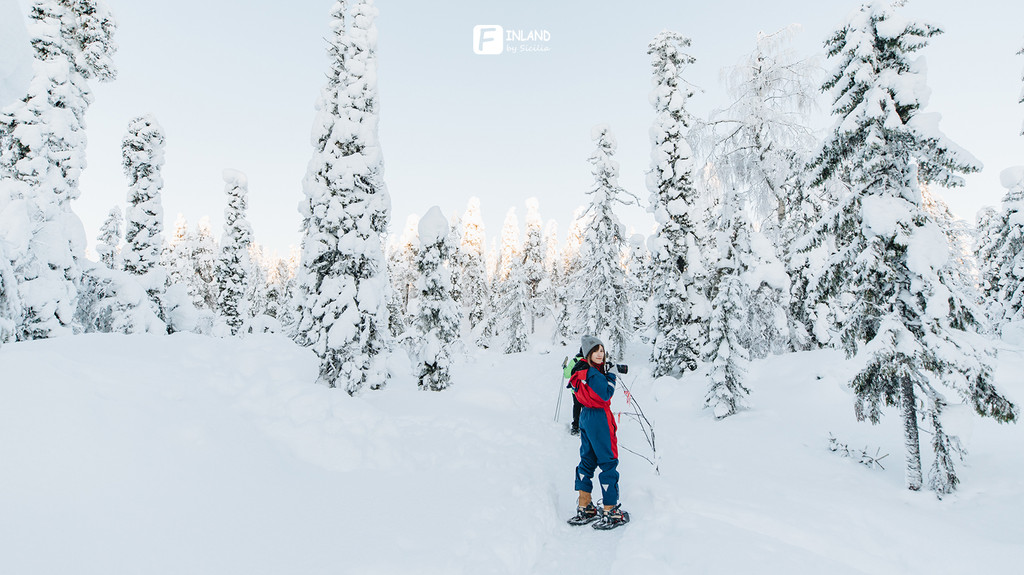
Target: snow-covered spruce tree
pixel 1001 252
pixel 234 264
pixel 600 297
pixel 677 308
pixel 177 256
pixel 43 156
pixel 960 272
pixel 402 267
pixel 454 239
pixel 552 267
pixel 10 303
pixel 534 272
pixel 142 153
pixel 767 326
pixel 638 275
pixel 897 317
pixel 344 315
pixel 108 243
pixel 726 351
pixel 281 286
pixel 569 263
pixel 204 258
pixel 509 328
pixel 438 316
pixel 471 266
pixel 256 293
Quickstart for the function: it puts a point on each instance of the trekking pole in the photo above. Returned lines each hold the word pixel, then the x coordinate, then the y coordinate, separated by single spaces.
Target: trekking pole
pixel 648 429
pixel 561 386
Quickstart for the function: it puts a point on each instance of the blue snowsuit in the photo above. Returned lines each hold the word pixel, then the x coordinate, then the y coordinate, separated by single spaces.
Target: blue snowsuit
pixel 598 444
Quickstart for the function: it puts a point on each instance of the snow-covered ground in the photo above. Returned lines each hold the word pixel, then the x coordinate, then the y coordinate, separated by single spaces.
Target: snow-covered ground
pixel 187 454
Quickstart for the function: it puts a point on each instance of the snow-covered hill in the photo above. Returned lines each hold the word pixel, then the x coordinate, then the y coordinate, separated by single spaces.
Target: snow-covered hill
pixel 186 454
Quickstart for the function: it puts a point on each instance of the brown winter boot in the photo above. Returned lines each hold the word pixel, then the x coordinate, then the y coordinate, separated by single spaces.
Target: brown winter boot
pixel 584 499
pixel 585 510
pixel 612 517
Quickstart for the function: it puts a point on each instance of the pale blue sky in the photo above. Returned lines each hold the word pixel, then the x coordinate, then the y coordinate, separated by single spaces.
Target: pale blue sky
pixel 233 83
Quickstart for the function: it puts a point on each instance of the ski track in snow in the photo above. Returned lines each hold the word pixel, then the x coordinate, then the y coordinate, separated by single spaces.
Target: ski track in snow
pixel 185 454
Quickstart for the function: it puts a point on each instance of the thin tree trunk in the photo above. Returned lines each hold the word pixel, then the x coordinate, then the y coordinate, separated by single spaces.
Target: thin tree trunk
pixel 910 435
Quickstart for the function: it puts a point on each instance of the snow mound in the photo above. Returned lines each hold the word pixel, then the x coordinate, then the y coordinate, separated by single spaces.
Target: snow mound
pixel 433 227
pixel 235 178
pixel 1010 177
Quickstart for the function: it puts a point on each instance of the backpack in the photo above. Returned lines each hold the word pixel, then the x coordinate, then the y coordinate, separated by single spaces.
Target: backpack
pixel 584 394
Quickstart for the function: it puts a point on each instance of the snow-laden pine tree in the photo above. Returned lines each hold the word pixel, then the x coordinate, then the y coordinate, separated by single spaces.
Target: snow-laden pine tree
pixel 897 317
pixel 471 265
pixel 638 268
pixel 600 300
pixel 454 239
pixel 438 316
pixel 108 243
pixel 10 303
pixel 726 351
pixel 256 293
pixel 767 325
pixel 344 315
pixel 402 267
pixel 142 157
pixel 1001 252
pixel 234 264
pixel 204 258
pixel 534 252
pixel 960 272
pixel 43 155
pixel 570 264
pixel 281 286
pixel 177 254
pixel 677 309
pixel 509 326
pixel 553 268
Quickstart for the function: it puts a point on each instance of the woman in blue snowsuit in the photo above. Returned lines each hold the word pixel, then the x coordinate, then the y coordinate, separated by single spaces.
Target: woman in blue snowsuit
pixel 593 387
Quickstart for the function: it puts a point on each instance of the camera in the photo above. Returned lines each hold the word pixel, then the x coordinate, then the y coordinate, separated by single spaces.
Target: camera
pixel 619 367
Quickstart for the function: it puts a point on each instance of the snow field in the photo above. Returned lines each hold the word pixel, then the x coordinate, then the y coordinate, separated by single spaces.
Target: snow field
pixel 188 454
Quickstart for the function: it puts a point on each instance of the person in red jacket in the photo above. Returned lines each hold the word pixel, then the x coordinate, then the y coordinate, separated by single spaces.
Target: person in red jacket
pixel 594 387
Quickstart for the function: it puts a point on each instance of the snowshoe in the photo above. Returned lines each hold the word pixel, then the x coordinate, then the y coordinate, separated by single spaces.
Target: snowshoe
pixel 612 518
pixel 585 515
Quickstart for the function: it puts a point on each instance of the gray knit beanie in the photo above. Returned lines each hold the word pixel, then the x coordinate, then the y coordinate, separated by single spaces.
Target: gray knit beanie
pixel 589 343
